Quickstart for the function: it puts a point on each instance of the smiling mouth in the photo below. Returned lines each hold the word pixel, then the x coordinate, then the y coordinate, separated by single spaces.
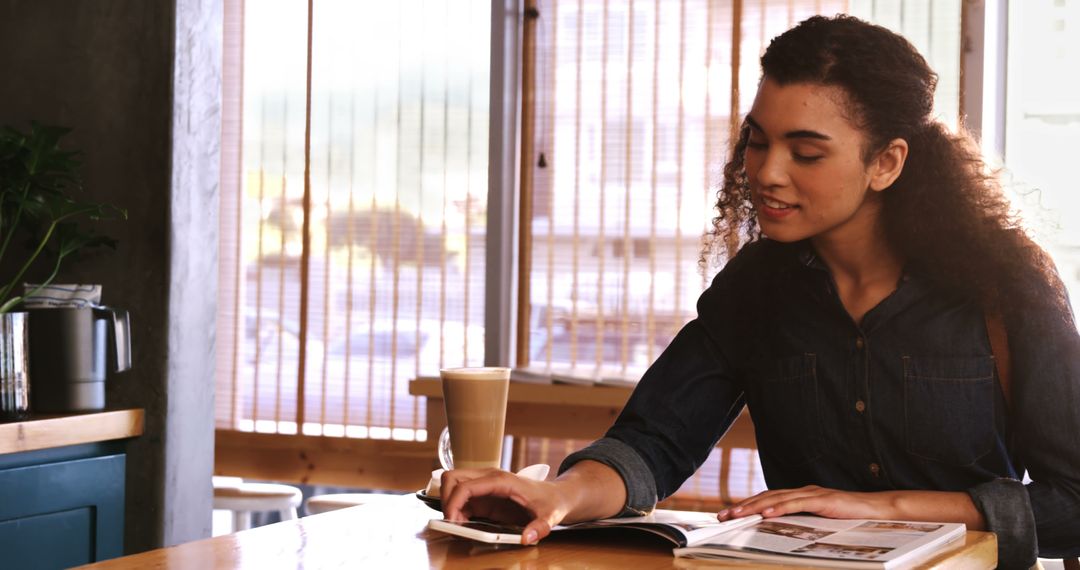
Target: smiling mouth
pixel 775 204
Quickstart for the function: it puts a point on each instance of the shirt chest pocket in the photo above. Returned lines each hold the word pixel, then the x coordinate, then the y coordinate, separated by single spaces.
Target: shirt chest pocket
pixel 784 407
pixel 949 408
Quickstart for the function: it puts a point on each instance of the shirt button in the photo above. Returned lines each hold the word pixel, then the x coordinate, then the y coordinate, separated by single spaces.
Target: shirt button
pixel 859 344
pixel 875 469
pixel 860 406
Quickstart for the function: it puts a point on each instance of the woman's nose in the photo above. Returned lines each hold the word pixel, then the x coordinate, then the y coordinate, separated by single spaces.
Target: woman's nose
pixel 772 169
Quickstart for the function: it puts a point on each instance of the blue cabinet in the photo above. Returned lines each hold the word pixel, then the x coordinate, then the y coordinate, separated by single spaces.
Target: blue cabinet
pixel 62 507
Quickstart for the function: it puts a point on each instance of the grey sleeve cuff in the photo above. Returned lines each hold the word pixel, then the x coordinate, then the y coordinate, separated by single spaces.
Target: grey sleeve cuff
pixel 636 475
pixel 1005 505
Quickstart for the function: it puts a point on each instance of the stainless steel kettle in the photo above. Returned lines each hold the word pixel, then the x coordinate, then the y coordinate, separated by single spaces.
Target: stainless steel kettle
pixel 71 351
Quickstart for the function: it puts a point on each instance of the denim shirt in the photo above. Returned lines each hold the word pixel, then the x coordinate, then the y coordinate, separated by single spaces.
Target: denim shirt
pixel 907 399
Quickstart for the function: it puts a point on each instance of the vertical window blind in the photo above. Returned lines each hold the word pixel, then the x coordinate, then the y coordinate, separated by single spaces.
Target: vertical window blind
pixel 636 103
pixel 353 211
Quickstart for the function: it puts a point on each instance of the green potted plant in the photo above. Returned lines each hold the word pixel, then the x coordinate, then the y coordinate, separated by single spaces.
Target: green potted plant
pixel 40 222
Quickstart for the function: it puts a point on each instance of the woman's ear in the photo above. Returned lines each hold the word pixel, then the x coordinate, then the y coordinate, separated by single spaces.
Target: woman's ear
pixel 886 167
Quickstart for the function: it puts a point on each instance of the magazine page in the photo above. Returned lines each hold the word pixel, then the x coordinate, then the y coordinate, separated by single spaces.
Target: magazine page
pixel 531 375
pixel 585 375
pixel 681 527
pixel 814 537
pixel 622 377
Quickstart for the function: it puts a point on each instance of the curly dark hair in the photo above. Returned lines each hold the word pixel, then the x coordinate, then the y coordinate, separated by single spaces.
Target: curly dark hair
pixel 946 214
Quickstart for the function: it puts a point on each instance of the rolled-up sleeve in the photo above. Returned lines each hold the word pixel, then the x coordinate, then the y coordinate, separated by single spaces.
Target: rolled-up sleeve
pixel 1005 506
pixel 636 475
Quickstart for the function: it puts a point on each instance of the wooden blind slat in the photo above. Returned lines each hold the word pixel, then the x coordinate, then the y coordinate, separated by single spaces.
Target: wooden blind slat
pixel 232 159
pixel 549 129
pixel 305 252
pixel 396 223
pixel 601 245
pixel 525 189
pixel 627 250
pixel 325 329
pixel 418 233
pixel 679 134
pixel 707 160
pixel 467 274
pixel 650 316
pixel 350 249
pixel 576 243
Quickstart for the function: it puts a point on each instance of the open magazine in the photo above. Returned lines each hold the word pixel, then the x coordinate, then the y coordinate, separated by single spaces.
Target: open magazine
pixel 816 541
pixel 682 528
pixel 794 540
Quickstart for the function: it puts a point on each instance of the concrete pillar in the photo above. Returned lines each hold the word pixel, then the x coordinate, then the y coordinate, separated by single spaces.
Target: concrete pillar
pixel 138 81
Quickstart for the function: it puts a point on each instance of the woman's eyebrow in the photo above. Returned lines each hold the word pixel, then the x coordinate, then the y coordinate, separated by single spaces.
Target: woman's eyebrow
pixel 800 134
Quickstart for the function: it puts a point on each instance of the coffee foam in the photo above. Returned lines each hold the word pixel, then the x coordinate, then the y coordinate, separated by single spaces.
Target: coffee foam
pixel 476 373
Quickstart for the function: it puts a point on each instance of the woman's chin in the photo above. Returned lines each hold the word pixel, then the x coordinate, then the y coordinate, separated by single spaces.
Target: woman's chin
pixel 783 235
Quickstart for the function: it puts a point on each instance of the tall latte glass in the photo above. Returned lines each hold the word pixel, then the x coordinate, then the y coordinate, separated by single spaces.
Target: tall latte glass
pixel 475 401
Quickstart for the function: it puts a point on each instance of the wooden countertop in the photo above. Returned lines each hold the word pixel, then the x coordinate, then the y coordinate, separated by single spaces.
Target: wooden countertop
pixel 44 432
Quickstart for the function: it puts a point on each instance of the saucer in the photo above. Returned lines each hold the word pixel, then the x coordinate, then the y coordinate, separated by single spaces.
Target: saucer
pixel 435 503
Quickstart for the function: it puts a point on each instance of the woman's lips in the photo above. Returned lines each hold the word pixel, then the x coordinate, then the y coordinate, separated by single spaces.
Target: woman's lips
pixel 775 209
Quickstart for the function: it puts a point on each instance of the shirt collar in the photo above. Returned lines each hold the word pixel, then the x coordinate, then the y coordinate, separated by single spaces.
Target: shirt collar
pixel 806 256
pixel 803 254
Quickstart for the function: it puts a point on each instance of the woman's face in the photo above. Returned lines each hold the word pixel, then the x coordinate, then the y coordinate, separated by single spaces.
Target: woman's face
pixel 805 165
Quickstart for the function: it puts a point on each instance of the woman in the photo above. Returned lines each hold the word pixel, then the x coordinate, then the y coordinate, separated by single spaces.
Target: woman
pixel 852 323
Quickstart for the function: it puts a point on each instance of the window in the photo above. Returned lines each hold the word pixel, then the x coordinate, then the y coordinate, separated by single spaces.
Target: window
pixel 354 201
pixel 1042 126
pixel 353 211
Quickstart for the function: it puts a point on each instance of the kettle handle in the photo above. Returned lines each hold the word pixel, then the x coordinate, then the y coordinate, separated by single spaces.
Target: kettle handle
pixel 119 335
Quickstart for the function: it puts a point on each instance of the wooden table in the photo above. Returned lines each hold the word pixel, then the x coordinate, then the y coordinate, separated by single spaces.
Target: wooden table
pixel 568 411
pixel 394 536
pixel 562 411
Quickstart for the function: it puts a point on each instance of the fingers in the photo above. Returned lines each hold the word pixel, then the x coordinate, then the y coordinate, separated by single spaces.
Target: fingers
pixel 461 485
pixel 490 491
pixel 790 504
pixel 773 503
pixel 504 497
pixel 535 531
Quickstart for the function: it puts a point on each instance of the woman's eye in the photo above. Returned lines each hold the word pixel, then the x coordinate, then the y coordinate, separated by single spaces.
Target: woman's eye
pixel 756 145
pixel 806 158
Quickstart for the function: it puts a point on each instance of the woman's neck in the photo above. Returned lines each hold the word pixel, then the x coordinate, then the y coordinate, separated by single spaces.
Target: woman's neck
pixel 865 268
pixel 859 260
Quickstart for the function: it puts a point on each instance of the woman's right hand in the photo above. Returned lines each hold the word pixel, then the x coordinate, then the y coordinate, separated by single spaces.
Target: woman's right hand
pixel 588 490
pixel 504 497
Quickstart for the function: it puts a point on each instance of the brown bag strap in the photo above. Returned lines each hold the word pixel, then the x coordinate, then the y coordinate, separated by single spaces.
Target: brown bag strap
pixel 999 346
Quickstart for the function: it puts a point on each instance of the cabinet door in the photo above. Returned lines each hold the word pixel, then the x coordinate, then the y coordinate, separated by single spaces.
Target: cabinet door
pixel 62 514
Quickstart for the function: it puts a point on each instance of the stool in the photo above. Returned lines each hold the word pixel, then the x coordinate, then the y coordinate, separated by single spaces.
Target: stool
pixel 232 494
pixel 334 501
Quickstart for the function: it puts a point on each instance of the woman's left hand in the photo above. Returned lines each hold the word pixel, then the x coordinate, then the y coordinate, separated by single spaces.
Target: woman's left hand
pixel 816 500
pixel 937 506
